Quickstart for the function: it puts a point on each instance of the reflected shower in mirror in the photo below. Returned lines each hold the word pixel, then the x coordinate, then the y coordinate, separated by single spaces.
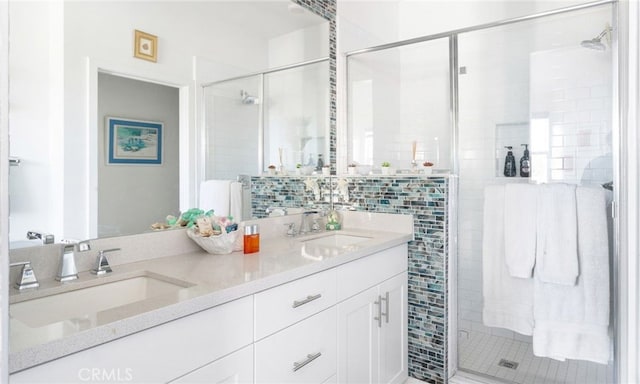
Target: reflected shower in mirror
pixel 286 108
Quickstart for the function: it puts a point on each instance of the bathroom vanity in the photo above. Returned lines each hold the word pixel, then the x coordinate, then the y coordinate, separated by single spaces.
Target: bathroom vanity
pixel 327 307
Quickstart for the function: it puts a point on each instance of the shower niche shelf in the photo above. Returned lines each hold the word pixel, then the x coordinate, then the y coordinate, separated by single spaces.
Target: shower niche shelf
pixel 514 135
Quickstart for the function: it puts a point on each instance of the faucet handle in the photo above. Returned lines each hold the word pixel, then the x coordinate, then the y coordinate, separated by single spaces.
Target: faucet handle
pixel 27 278
pixel 80 246
pixel 102 265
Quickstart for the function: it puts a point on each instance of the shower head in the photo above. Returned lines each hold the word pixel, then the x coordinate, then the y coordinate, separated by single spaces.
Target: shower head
pixel 248 99
pixel 596 43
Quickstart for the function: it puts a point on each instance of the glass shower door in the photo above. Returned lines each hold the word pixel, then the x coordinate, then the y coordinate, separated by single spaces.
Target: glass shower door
pixel 399 106
pixel 546 84
pixel 296 116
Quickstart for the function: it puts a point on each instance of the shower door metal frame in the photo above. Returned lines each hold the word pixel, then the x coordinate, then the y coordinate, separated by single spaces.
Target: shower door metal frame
pixel 619 328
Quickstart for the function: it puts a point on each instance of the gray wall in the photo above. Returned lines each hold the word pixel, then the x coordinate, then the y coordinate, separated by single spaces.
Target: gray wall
pixel 131 197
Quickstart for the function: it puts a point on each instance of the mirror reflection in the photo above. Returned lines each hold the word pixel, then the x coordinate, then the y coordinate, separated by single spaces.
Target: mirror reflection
pixel 60 56
pixel 283 114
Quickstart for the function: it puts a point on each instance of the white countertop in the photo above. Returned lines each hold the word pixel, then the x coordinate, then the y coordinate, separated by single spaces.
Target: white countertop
pixel 213 280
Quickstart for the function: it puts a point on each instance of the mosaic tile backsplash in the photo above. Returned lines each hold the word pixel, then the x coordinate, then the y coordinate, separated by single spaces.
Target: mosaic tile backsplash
pixel 427 199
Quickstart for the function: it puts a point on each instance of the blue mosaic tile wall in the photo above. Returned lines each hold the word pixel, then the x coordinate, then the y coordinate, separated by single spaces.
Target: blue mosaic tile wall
pixel 427 199
pixel 327 9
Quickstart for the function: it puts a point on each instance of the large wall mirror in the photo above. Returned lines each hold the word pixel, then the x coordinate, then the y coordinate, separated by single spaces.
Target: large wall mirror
pixel 72 67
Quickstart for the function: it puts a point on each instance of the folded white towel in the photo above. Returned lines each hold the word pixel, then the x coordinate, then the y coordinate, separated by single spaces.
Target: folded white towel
pixel 572 322
pixel 508 301
pixel 214 194
pixel 557 240
pixel 520 228
pixel 235 201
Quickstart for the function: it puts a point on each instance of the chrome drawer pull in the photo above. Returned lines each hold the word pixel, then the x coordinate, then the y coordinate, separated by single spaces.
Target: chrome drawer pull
pixel 297 365
pixel 309 299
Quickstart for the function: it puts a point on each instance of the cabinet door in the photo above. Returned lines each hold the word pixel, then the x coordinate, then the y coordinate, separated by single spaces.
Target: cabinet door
pixel 393 333
pixel 155 355
pixel 358 338
pixel 237 368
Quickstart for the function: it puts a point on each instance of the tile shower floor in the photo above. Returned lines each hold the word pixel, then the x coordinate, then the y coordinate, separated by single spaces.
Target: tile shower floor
pixel 480 353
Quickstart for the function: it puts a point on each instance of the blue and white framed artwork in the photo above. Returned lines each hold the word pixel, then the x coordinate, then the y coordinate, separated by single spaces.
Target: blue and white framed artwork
pixel 134 141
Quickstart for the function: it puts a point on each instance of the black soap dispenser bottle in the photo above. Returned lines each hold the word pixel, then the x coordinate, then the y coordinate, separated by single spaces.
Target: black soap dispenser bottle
pixel 510 163
pixel 525 162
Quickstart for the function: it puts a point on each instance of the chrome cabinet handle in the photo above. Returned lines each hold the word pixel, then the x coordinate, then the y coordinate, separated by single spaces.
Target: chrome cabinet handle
pixel 310 357
pixel 309 299
pixel 379 317
pixel 386 305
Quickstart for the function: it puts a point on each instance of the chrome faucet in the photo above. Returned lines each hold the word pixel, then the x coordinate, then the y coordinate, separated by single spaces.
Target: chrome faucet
pixel 304 223
pixel 68 270
pixel 276 211
pixel 46 238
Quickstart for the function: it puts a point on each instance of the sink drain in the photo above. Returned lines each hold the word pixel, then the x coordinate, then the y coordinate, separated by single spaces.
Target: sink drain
pixel 508 364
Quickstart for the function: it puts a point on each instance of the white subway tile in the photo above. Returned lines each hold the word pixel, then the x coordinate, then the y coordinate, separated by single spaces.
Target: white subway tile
pixel 578 93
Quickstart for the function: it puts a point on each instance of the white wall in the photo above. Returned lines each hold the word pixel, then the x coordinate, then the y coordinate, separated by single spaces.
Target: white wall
pixel 36 112
pixel 299 46
pixel 4 190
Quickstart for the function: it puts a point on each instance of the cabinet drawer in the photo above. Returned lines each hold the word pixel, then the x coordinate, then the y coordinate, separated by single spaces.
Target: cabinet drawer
pixel 289 303
pixel 366 272
pixel 158 354
pixel 311 344
pixel 237 368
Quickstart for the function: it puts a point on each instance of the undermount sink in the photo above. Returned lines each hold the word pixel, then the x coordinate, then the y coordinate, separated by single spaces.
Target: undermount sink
pixel 337 240
pixel 85 303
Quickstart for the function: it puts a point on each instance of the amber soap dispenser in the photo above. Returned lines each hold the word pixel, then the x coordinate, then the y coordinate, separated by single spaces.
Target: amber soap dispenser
pixel 251 239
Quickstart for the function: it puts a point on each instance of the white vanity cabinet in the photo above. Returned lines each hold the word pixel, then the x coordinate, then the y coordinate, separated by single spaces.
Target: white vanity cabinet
pixel 347 324
pixel 295 331
pixel 372 323
pixel 302 353
pixel 156 355
pixel 237 368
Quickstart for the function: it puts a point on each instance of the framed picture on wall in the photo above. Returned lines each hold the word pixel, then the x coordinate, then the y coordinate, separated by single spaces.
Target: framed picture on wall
pixel 145 46
pixel 133 141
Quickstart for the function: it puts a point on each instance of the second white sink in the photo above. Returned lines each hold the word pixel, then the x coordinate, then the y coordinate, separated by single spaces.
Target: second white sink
pixel 337 240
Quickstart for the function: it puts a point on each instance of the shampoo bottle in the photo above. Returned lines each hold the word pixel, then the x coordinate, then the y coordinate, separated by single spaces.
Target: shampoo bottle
pixel 510 163
pixel 525 162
